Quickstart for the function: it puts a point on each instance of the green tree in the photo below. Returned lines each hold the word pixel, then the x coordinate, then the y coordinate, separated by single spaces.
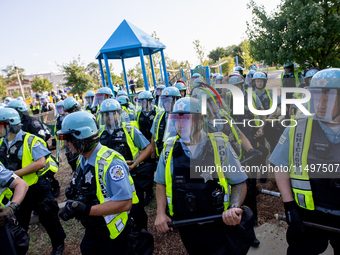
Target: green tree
pixel 2 87
pixel 217 53
pixel 11 75
pixel 199 51
pixel 93 69
pixel 245 48
pixel 39 84
pixel 303 31
pixel 228 67
pixel 16 94
pixel 76 76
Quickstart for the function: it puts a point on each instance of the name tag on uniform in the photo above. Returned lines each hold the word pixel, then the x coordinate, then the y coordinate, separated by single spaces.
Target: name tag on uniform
pixel 180 179
pixel 324 147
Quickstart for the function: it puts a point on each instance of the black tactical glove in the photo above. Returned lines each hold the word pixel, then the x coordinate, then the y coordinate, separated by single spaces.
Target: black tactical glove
pixel 293 217
pixel 6 213
pixel 253 152
pixel 75 209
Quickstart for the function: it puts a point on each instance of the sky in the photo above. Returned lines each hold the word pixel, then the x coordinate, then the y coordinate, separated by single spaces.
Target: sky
pixel 39 35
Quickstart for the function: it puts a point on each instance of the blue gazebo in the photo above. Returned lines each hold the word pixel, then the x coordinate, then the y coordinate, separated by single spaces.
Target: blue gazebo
pixel 128 41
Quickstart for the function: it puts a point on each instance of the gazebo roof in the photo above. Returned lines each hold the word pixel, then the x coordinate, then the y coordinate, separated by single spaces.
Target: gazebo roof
pixel 126 41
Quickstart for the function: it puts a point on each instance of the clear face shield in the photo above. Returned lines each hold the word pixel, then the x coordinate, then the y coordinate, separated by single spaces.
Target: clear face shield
pixel 111 120
pixel 60 109
pixel 249 80
pixel 144 105
pixel 187 126
pixel 68 147
pixel 166 103
pixel 99 98
pixel 158 92
pixel 88 101
pixel 324 103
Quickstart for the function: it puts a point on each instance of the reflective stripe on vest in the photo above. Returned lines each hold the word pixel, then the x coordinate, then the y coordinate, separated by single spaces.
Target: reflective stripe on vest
pixel 157 121
pixel 234 131
pixel 270 98
pixel 129 133
pixel 256 117
pixel 296 77
pixel 299 142
pixel 5 192
pixel 219 142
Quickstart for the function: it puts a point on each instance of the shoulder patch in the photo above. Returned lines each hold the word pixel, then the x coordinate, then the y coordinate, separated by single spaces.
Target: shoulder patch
pixel 36 144
pixel 282 139
pixel 233 152
pixel 117 172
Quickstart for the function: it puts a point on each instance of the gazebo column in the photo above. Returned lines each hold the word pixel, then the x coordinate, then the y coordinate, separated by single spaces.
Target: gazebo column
pixel 108 73
pixel 102 72
pixel 153 72
pixel 160 69
pixel 125 77
pixel 164 69
pixel 145 78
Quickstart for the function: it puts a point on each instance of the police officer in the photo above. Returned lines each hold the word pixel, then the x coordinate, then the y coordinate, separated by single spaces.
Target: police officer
pixel 29 158
pixel 167 100
pixel 240 71
pixel 89 96
pixel 272 130
pixel 189 193
pixel 9 203
pixel 7 100
pixel 29 124
pixel 146 114
pixel 45 106
pixel 35 127
pixel 133 146
pixel 101 191
pixel 123 93
pixel 101 95
pixel 127 113
pixel 290 77
pixel 71 105
pixel 182 88
pixel 157 93
pixel 308 193
pixel 35 107
pixel 64 96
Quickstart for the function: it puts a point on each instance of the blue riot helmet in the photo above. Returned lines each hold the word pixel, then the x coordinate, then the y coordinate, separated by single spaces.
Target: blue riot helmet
pixel 20 98
pixel 43 100
pixel 309 73
pixel 59 107
pixel 159 90
pixel 10 122
pixel 144 101
pixel 109 115
pixel 168 98
pixel 236 80
pixel 57 97
pixel 20 106
pixel 239 70
pixel 79 133
pixel 325 95
pixel 181 87
pixel 186 121
pixel 89 96
pixel 121 93
pixel 195 76
pixel 123 100
pixel 214 77
pixel 249 78
pixel 259 80
pixel 7 100
pixel 71 105
pixel 218 79
pixel 101 95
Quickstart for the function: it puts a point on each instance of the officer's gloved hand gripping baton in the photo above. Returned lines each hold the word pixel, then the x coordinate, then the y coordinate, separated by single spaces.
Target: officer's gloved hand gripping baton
pixel 202 220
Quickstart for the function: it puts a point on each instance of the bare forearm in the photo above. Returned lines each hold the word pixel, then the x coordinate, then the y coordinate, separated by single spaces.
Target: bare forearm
pixel 144 154
pixel 32 168
pixel 111 207
pixel 20 188
pixel 238 194
pixel 246 145
pixel 283 182
pixel 161 198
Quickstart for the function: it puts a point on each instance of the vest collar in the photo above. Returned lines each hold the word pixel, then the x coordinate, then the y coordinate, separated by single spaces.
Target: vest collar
pixel 17 138
pixel 92 159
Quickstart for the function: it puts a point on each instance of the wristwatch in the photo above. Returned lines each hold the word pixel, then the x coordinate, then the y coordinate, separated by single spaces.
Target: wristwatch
pixel 233 206
pixel 137 164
